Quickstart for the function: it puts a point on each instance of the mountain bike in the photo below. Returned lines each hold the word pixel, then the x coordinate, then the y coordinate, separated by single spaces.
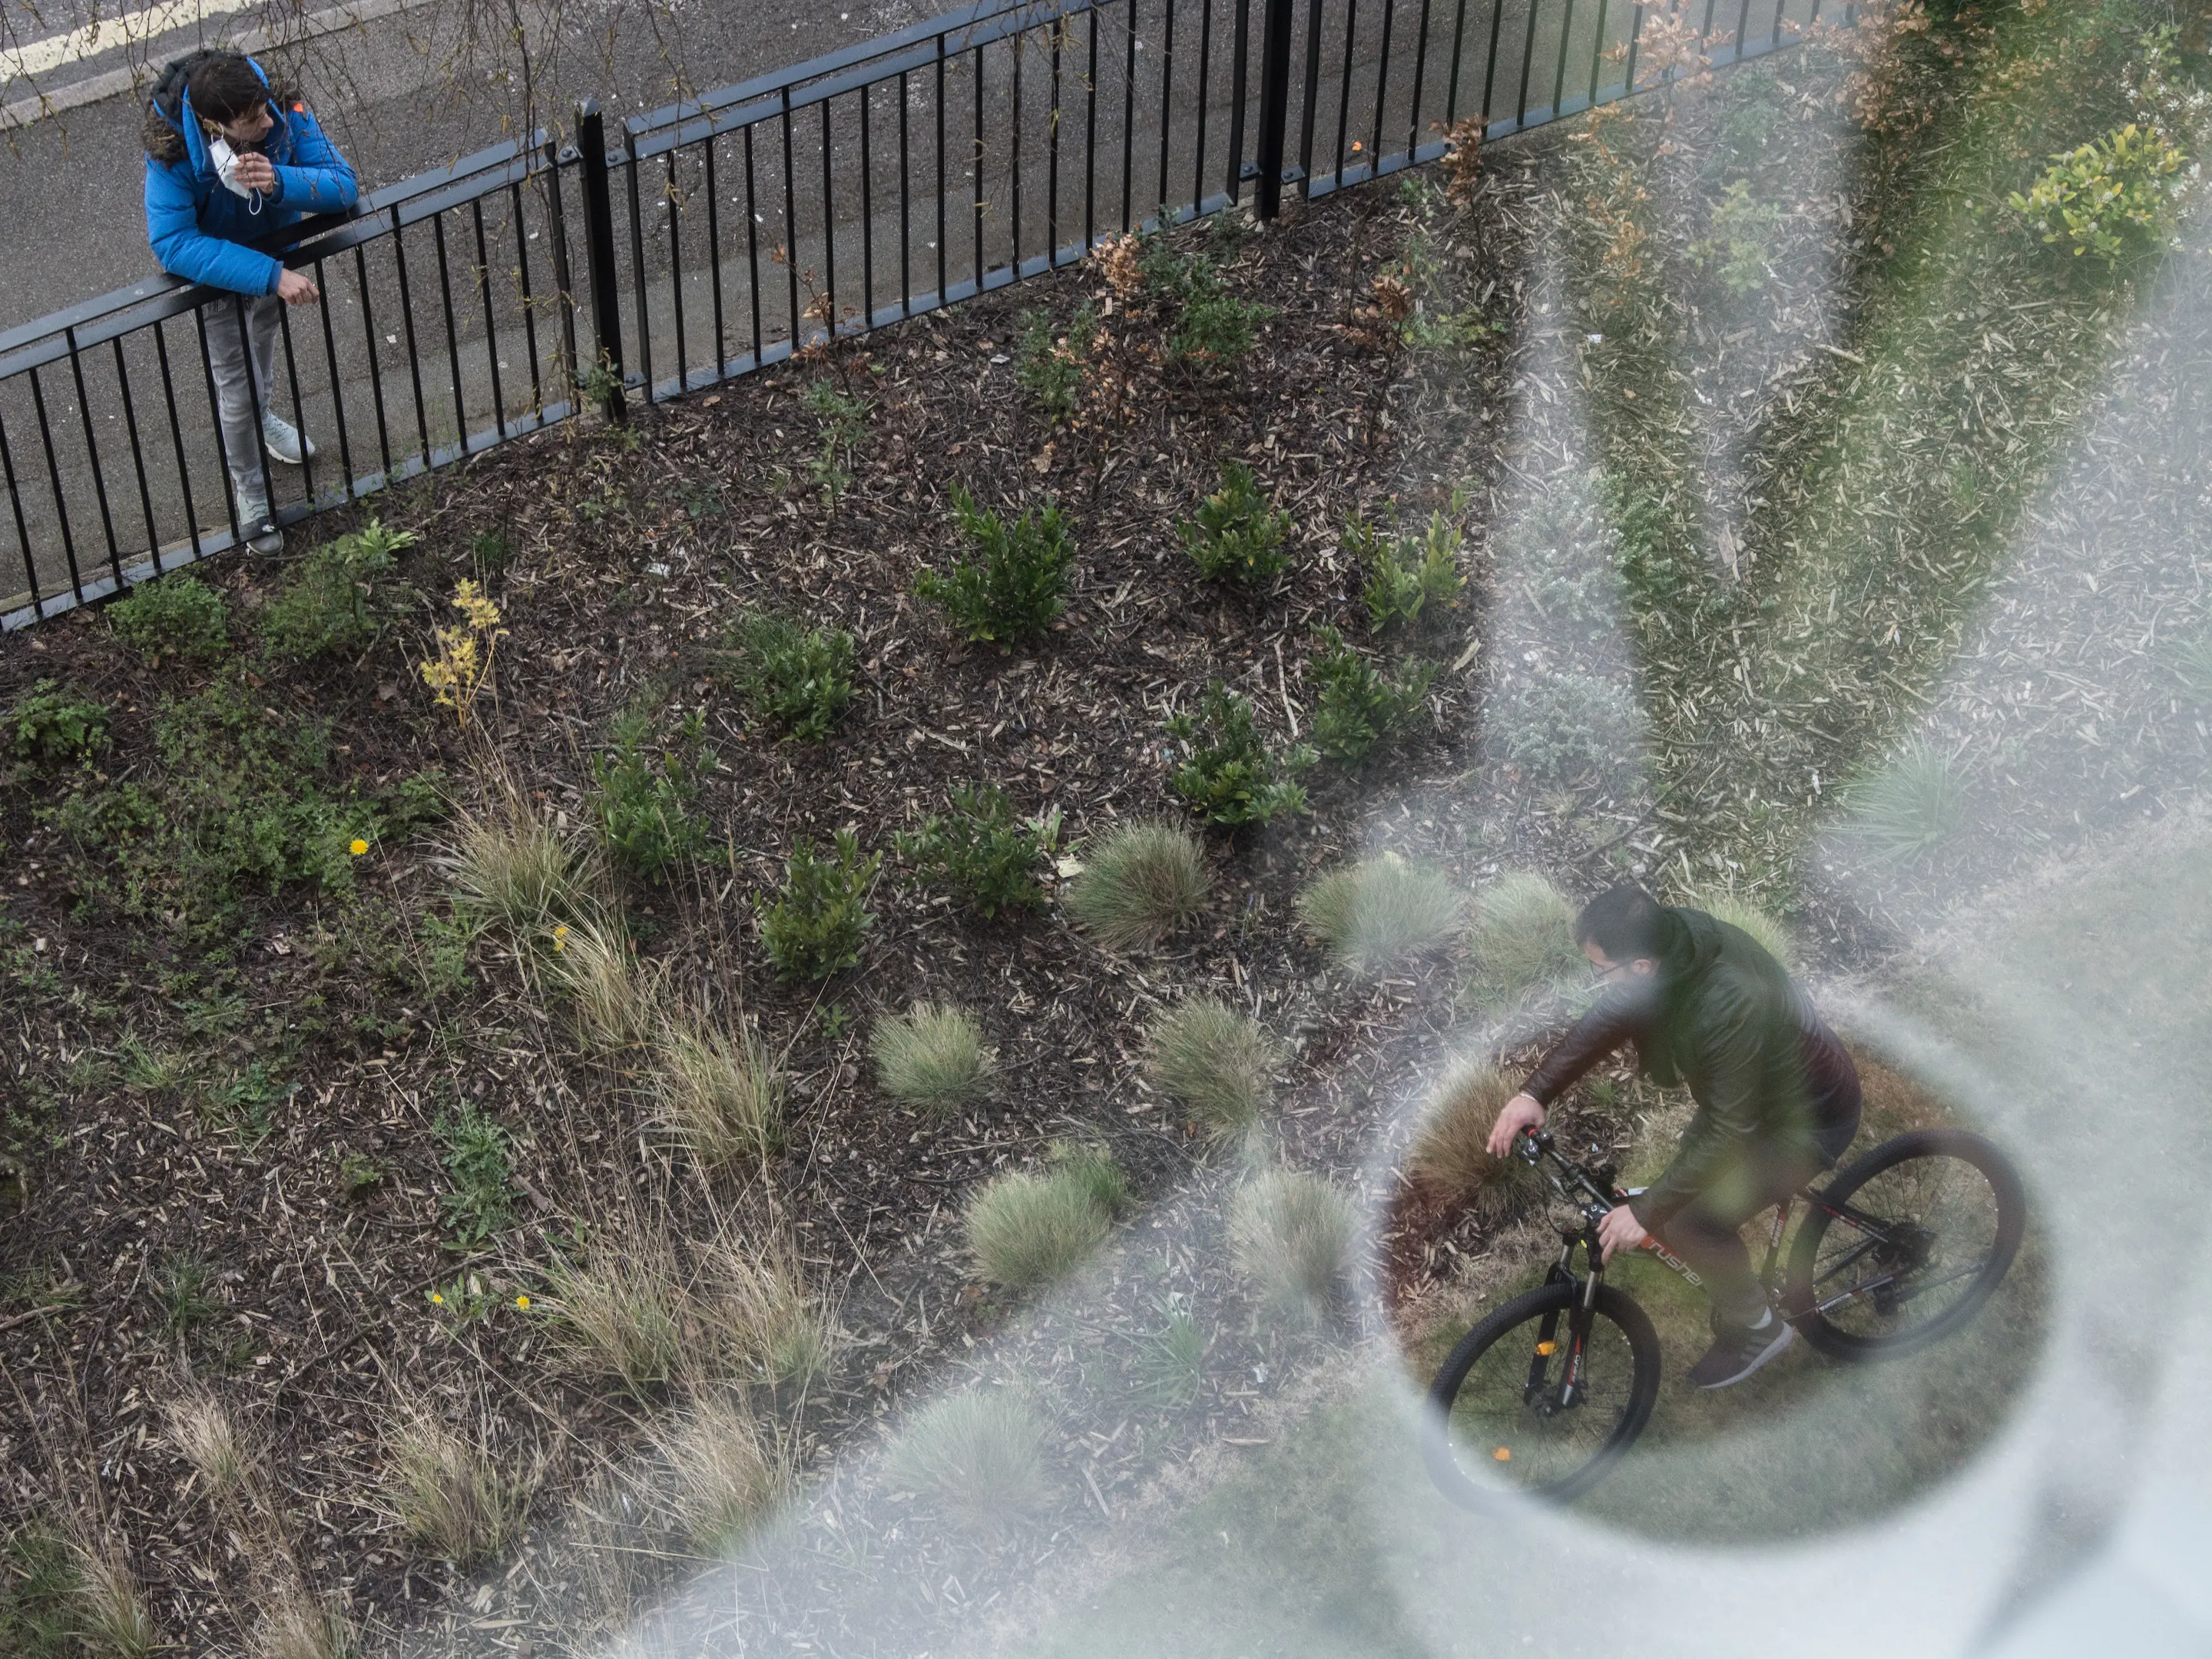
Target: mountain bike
pixel 1899 1248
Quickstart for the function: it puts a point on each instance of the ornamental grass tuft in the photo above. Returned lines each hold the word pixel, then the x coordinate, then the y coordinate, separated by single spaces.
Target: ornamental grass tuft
pixel 977 1458
pixel 1450 1156
pixel 1288 1234
pixel 1029 1228
pixel 1382 910
pixel 726 1471
pixel 719 1091
pixel 1523 942
pixel 1217 1062
pixel 451 1497
pixel 1138 882
pixel 933 1056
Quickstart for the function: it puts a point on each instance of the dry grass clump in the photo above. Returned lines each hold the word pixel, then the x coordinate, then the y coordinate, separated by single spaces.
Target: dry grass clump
pixel 112 1619
pixel 450 1495
pixel 610 999
pixel 977 1457
pixel 622 1310
pixel 725 1474
pixel 1027 1228
pixel 1138 883
pixel 506 862
pixel 297 1624
pixel 1523 941
pixel 770 1322
pixel 202 1431
pixel 1449 1155
pixel 1217 1062
pixel 1288 1234
pixel 1769 930
pixel 1380 909
pixel 933 1057
pixel 720 1091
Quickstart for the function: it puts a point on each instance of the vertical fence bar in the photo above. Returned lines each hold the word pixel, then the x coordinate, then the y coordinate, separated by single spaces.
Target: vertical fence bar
pixel 1490 69
pixel 529 303
pixel 829 232
pixel 790 226
pixel 752 243
pixel 673 206
pixel 1167 95
pixel 906 208
pixel 1057 34
pixel 1528 61
pixel 975 171
pixel 1635 40
pixel 54 481
pixel 1234 186
pixel 715 258
pixel 943 257
pixel 867 211
pixel 1128 113
pixel 1421 81
pixel 1204 70
pixel 91 458
pixel 215 414
pixel 1560 76
pixel 564 275
pixel 1274 103
pixel 1383 90
pixel 407 323
pixel 1312 91
pixel 299 407
pixel 376 371
pixel 138 454
pixel 337 384
pixel 1344 91
pixel 1090 136
pixel 23 531
pixel 491 336
pixel 176 441
pixel 1014 45
pixel 1459 45
pixel 1597 50
pixel 599 253
pixel 632 169
pixel 453 334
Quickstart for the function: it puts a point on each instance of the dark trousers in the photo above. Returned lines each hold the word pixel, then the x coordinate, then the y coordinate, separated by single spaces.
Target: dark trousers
pixel 1708 1233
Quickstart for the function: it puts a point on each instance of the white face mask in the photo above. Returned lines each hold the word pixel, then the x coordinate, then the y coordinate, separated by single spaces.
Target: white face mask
pixel 225 169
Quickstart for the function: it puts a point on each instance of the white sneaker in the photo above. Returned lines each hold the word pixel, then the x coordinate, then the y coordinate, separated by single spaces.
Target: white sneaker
pixel 258 526
pixel 287 443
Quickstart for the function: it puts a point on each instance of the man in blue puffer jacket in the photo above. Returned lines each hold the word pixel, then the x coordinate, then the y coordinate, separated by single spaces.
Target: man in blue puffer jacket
pixel 231 158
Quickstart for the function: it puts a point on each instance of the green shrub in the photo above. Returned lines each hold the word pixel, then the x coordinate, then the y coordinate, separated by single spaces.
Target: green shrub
pixel 1217 328
pixel 1136 883
pixel 1410 577
pixel 1381 909
pixel 2117 197
pixel 54 727
pixel 178 616
pixel 801 678
pixel 1523 941
pixel 1016 584
pixel 479 1201
pixel 1360 706
pixel 1219 1064
pixel 982 852
pixel 1568 727
pixel 1737 251
pixel 1288 1234
pixel 1050 365
pixel 977 1457
pixel 1229 776
pixel 1028 1229
pixel 643 801
pixel 1451 1154
pixel 933 1057
pixel 816 925
pixel 844 421
pixel 1237 535
pixel 1207 323
pixel 1907 808
pixel 323 604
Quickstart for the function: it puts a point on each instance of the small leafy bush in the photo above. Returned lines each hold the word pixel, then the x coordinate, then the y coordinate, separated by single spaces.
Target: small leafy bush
pixel 844 421
pixel 801 678
pixel 178 616
pixel 1523 941
pixel 1029 1227
pixel 982 852
pixel 51 726
pixel 323 605
pixel 1567 726
pixel 1207 323
pixel 1229 776
pixel 1219 1064
pixel 2117 197
pixel 1451 1156
pixel 1136 883
pixel 1016 584
pixel 1381 911
pixel 933 1057
pixel 643 801
pixel 816 925
pixel 977 1457
pixel 1742 242
pixel 1909 807
pixel 1237 535
pixel 1409 577
pixel 1360 706
pixel 480 1199
pixel 1288 1234
pixel 1050 365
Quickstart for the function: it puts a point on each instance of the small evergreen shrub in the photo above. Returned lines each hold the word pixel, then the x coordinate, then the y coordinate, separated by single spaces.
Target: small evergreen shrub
pixel 178 615
pixel 1207 323
pixel 844 421
pixel 1742 242
pixel 1909 807
pixel 1050 365
pixel 479 1201
pixel 1289 1233
pixel 1029 1227
pixel 800 677
pixel 977 1457
pixel 323 604
pixel 1451 1156
pixel 933 1057
pixel 1016 584
pixel 1217 1062
pixel 1237 534
pixel 1381 911
pixel 1409 578
pixel 980 851
pixel 643 801
pixel 1229 776
pixel 1360 706
pixel 1523 941
pixel 1138 882
pixel 2117 197
pixel 1567 726
pixel 51 726
pixel 816 925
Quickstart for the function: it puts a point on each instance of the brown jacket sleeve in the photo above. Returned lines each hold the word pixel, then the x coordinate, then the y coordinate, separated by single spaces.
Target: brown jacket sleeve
pixel 1623 1014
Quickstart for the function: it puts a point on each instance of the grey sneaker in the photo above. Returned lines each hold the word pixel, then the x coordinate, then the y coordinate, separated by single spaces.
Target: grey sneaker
pixel 258 526
pixel 287 443
pixel 1739 1350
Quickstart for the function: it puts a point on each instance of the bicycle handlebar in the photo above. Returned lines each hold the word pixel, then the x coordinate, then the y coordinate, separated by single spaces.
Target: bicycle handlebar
pixel 1598 1184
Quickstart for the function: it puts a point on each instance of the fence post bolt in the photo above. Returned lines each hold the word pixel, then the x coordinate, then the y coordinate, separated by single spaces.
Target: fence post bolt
pixel 606 375
pixel 1274 103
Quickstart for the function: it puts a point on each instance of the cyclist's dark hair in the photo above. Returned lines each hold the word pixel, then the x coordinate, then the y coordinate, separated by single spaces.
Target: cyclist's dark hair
pixel 1623 921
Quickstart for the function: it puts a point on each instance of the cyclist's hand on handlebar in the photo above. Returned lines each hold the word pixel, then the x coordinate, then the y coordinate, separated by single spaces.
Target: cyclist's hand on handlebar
pixel 1519 1114
pixel 1621 1231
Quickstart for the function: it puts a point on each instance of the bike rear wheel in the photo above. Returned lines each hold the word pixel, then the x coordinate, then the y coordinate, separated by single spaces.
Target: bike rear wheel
pixel 1502 1424
pixel 1905 1245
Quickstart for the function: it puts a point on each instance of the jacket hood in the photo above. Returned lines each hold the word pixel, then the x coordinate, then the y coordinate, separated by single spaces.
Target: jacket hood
pixel 1689 943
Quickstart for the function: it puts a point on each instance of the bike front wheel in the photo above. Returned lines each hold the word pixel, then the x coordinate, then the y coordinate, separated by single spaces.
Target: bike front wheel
pixel 1521 1409
pixel 1905 1244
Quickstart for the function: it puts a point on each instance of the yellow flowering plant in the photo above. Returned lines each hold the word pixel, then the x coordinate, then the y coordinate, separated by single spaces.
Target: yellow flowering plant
pixel 463 665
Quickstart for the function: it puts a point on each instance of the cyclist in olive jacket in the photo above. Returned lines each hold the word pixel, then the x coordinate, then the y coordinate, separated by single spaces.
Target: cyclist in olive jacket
pixel 1777 1097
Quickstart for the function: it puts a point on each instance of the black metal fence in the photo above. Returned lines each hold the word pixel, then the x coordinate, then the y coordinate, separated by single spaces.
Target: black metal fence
pixel 715 236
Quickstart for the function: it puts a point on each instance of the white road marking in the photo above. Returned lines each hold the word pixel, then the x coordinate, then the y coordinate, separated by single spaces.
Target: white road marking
pixel 106 33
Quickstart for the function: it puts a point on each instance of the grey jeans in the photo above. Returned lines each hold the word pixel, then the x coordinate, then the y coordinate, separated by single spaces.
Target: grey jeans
pixel 243 404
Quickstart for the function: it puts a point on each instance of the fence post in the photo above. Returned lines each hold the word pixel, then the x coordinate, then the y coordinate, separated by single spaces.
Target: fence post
pixel 1274 103
pixel 599 253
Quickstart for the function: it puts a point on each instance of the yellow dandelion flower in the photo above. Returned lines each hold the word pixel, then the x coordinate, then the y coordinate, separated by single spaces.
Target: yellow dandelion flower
pixel 358 847
pixel 560 938
pixel 438 1297
pixel 523 1302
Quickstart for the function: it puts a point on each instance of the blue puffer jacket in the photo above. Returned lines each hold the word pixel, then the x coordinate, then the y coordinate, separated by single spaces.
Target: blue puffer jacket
pixel 198 230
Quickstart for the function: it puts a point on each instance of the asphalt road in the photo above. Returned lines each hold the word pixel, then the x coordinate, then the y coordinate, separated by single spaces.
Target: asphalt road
pixel 406 92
